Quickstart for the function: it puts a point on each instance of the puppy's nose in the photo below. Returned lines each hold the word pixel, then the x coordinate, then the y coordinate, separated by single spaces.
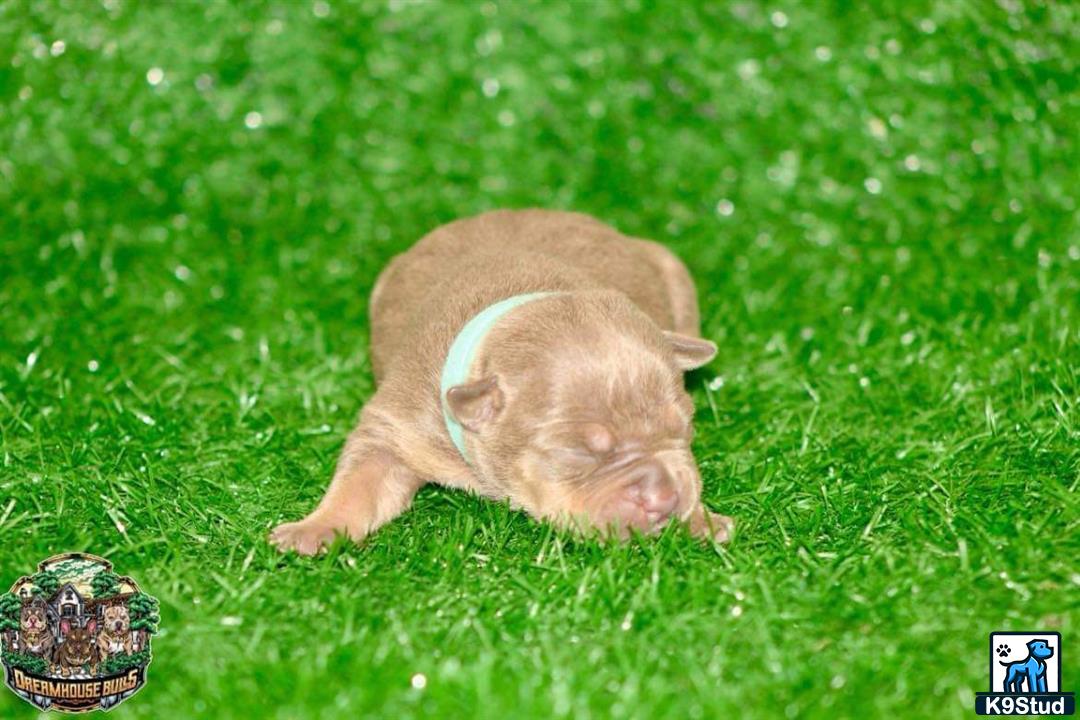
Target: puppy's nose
pixel 654 492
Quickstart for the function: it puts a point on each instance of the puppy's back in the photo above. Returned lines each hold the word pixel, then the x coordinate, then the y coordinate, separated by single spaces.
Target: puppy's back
pixel 428 291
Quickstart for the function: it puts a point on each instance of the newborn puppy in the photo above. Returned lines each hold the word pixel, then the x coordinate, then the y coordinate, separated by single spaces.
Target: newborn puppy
pixel 531 355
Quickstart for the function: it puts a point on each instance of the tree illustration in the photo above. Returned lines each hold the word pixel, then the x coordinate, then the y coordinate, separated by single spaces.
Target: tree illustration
pixel 46 583
pixel 122 661
pixel 144 613
pixel 30 663
pixel 10 609
pixel 105 584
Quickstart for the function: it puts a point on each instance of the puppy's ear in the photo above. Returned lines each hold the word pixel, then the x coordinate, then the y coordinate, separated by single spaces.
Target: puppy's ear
pixel 91 627
pixel 65 627
pixel 476 403
pixel 690 352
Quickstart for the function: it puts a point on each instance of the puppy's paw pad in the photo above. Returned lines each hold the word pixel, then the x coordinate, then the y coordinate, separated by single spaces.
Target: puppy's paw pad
pixel 713 526
pixel 305 537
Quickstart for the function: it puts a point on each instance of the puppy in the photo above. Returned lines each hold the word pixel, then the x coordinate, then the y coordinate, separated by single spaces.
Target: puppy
pixel 115 635
pixel 34 635
pixel 534 356
pixel 77 653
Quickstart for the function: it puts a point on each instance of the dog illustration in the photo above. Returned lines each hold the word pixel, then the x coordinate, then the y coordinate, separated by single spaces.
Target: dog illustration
pixel 34 635
pixel 77 651
pixel 1032 669
pixel 115 635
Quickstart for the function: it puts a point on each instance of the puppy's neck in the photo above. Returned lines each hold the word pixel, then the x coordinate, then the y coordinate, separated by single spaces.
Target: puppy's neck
pixel 595 322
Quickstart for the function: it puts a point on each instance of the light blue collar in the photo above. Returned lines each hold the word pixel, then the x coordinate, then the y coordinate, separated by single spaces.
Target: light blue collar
pixel 460 357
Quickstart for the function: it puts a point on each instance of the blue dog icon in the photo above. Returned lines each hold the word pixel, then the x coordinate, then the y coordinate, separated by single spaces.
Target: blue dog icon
pixel 1032 669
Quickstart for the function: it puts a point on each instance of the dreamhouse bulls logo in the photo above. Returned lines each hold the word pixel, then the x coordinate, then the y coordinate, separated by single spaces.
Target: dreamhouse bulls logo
pixel 75 635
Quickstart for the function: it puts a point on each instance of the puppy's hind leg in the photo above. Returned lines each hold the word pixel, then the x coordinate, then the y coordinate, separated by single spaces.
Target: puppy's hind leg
pixel 682 294
pixel 371 486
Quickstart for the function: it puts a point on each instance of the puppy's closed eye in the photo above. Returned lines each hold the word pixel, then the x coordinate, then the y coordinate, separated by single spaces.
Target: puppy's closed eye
pixel 598 439
pixel 582 446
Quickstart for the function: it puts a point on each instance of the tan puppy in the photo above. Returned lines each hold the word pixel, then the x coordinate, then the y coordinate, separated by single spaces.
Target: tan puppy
pixel 573 407
pixel 115 635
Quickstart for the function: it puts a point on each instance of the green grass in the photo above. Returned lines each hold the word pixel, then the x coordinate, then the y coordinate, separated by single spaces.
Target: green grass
pixel 880 210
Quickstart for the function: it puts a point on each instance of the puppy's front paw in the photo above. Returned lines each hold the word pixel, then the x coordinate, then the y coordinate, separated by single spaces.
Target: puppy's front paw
pixel 306 537
pixel 708 525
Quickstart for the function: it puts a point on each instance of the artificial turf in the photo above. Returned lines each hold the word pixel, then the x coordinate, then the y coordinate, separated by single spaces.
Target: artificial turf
pixel 878 202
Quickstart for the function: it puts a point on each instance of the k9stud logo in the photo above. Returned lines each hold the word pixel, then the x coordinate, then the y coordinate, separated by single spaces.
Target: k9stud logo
pixel 1025 676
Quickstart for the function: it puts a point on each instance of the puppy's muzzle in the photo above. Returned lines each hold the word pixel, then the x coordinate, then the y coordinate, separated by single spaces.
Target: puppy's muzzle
pixel 647 496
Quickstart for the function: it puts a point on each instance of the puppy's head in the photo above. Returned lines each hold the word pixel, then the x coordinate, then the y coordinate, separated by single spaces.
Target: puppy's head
pixel 1040 649
pixel 33 617
pixel 580 414
pixel 117 619
pixel 78 640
